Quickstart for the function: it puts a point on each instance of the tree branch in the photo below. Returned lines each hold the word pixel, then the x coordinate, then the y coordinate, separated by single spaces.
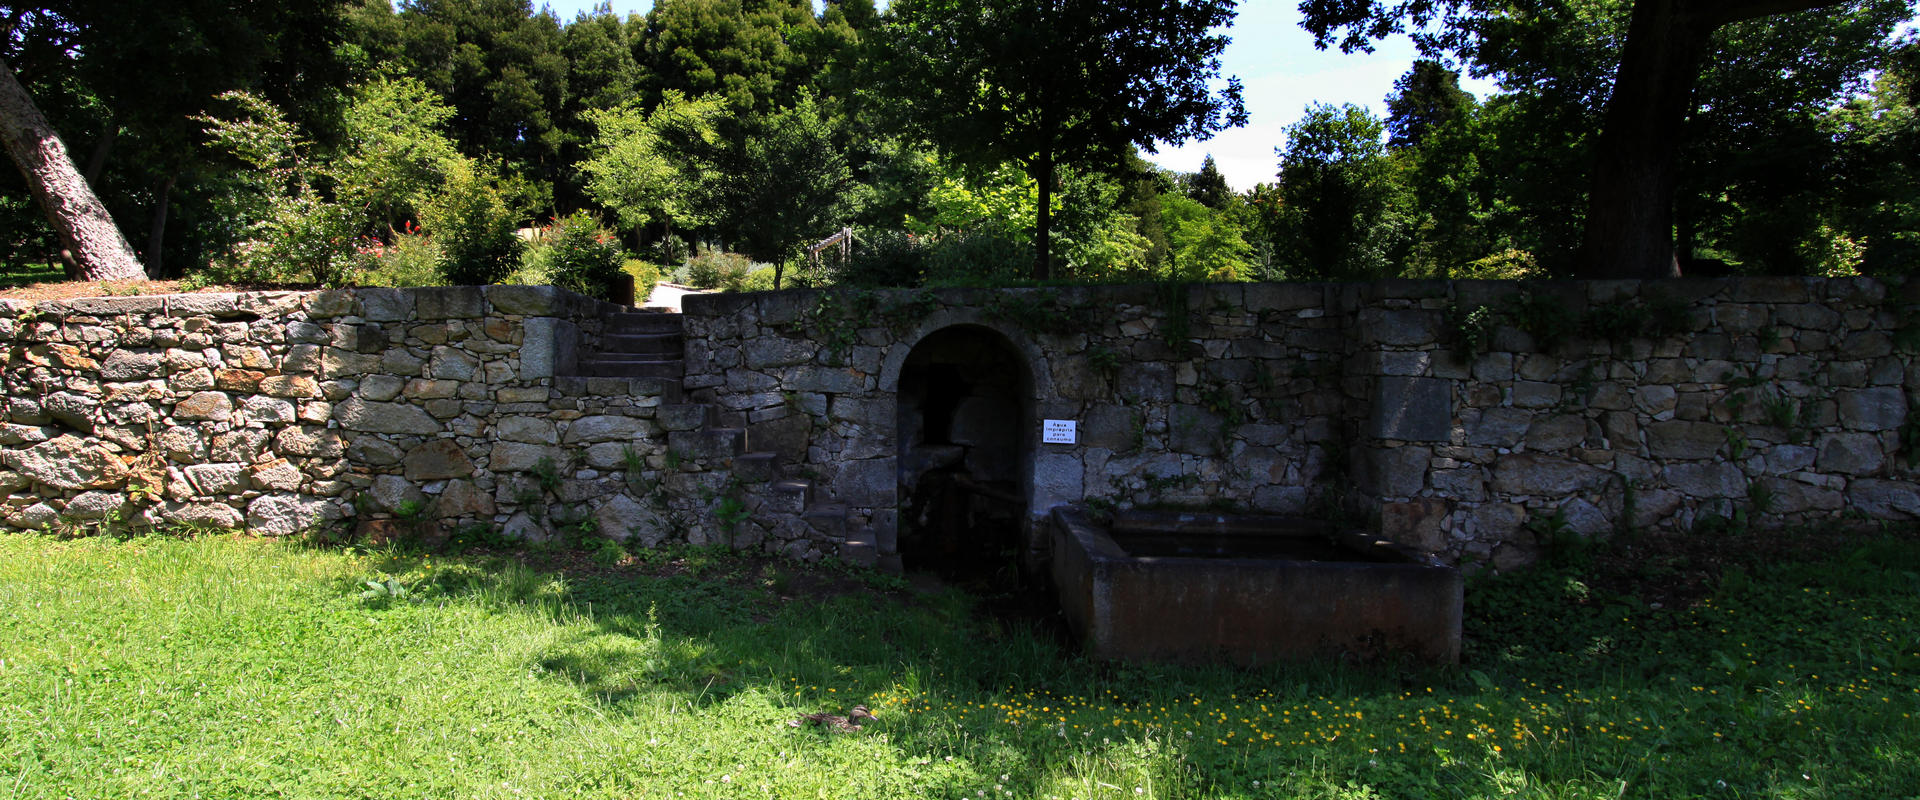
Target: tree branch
pixel 1715 13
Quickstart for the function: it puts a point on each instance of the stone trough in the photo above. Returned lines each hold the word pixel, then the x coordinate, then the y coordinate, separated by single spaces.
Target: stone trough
pixel 1173 586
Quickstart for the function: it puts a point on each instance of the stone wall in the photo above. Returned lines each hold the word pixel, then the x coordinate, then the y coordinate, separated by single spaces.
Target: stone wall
pixel 1758 401
pixel 427 411
pixel 1586 408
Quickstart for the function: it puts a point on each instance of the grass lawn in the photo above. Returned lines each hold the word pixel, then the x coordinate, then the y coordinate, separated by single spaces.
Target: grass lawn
pixel 23 274
pixel 240 668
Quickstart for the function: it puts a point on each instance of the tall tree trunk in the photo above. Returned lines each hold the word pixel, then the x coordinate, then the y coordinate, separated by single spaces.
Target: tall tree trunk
pixel 157 230
pixel 97 162
pixel 86 230
pixel 1630 218
pixel 1043 223
pixel 1629 231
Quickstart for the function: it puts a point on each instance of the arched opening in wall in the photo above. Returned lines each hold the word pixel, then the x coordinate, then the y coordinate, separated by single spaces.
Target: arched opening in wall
pixel 963 419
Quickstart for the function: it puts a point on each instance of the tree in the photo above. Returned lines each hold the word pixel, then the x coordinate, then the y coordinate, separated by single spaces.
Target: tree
pixel 1634 172
pixel 396 153
pixel 1426 98
pixel 1062 82
pixel 1338 197
pixel 86 230
pixel 501 66
pixel 753 54
pixel 635 172
pixel 119 80
pixel 769 182
pixel 1438 136
pixel 1204 244
pixel 1208 187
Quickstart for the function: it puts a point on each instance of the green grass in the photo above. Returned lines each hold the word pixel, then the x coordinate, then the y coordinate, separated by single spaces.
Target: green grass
pixel 231 667
pixel 12 275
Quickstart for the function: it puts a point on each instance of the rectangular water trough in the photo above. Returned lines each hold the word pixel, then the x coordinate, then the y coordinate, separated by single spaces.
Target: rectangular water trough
pixel 1177 586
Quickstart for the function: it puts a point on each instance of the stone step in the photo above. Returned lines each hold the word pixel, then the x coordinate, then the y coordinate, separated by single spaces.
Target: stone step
pixel 633 369
pixel 858 549
pixel 634 322
pixel 789 497
pixel 668 389
pixel 643 343
pixel 634 358
pixel 891 564
pixel 756 467
pixel 829 520
pixel 708 443
pixel 684 416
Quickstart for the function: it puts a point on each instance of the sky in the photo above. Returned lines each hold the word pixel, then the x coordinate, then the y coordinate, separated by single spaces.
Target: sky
pixel 1279 69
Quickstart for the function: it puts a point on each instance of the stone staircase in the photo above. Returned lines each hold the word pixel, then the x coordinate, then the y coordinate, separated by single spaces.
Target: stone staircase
pixel 651 344
pixel 639 344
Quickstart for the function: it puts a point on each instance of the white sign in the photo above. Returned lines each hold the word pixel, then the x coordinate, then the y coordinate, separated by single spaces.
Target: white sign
pixel 1058 431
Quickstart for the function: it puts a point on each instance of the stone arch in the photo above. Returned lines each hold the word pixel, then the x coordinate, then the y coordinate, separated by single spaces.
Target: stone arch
pixel 966 394
pixel 1040 377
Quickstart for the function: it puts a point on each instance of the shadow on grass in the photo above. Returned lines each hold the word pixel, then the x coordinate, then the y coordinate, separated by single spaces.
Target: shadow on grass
pixel 14 275
pixel 1780 671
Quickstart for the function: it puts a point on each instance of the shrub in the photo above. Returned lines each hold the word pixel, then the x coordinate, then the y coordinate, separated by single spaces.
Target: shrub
pixel 580 256
pixel 719 270
pixel 473 226
pixel 885 258
pixel 645 275
pixel 986 256
pixel 671 251
pixel 303 239
pixel 413 259
pixel 1505 265
pixel 759 280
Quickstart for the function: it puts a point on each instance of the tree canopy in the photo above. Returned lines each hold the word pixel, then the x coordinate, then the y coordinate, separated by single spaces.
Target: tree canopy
pixel 1063 82
pixel 963 142
pixel 1636 156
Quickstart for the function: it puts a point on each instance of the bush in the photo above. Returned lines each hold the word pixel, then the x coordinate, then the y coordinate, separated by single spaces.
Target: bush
pixel 304 240
pixel 580 256
pixel 413 259
pixel 885 258
pixel 474 228
pixel 759 280
pixel 645 275
pixel 719 270
pixel 980 257
pixel 1506 265
pixel 671 251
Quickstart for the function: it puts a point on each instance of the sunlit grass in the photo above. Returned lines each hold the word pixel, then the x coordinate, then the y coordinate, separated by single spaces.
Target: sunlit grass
pixel 25 274
pixel 228 667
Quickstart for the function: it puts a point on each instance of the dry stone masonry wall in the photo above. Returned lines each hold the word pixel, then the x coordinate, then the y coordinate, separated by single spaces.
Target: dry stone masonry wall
pixel 393 411
pixel 1473 419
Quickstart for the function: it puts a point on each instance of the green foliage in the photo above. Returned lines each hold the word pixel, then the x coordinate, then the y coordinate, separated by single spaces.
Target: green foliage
pixel 413 259
pixel 1203 244
pixel 639 165
pixel 684 657
pixel 1075 83
pixel 1339 212
pixel 1471 330
pixel 988 255
pixel 770 182
pixel 286 230
pixel 578 255
pixel 1545 319
pixel 884 258
pixel 398 157
pixel 1505 265
pixel 719 270
pixel 470 220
